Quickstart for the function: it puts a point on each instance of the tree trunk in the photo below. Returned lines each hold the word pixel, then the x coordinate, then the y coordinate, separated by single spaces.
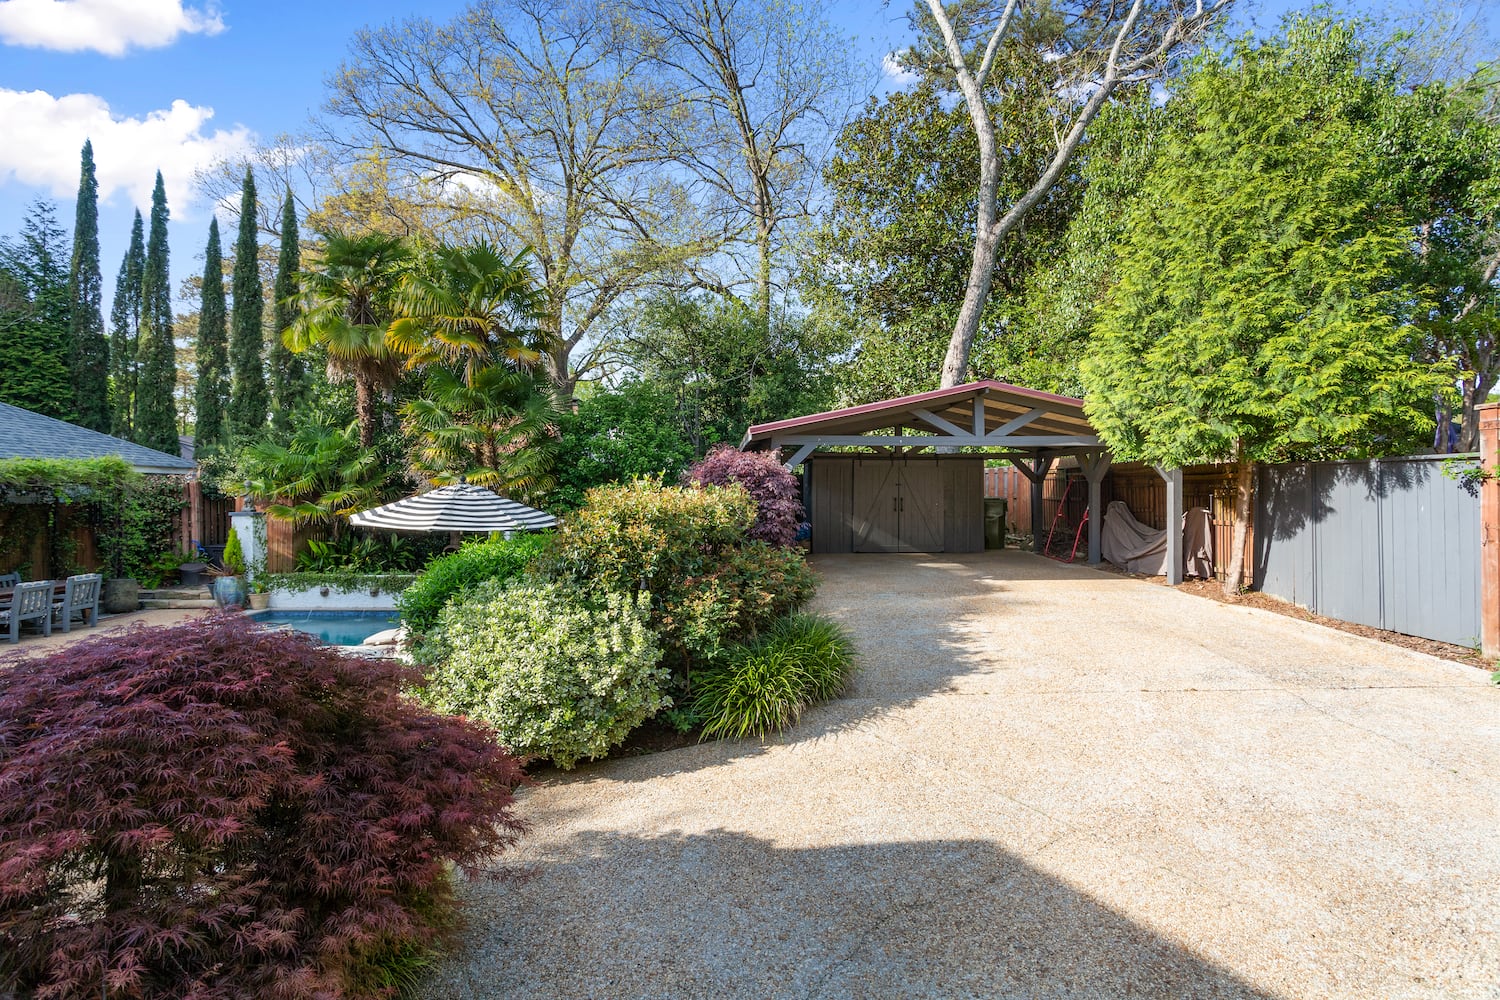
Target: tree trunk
pixel 1473 395
pixel 1244 495
pixel 364 409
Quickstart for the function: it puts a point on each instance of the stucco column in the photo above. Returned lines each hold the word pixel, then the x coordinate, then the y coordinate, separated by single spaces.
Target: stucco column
pixel 1489 532
pixel 250 528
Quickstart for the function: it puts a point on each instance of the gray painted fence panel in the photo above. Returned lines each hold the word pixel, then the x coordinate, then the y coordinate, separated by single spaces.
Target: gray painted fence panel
pixel 1390 543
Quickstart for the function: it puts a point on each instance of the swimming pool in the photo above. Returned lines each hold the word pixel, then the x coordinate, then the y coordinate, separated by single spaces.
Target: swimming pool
pixel 337 628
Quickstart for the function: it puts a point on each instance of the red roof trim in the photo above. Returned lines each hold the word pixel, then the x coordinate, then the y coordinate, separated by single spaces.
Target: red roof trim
pixel 905 402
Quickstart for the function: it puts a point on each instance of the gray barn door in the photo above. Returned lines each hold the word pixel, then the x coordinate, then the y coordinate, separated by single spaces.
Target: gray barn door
pixel 920 506
pixel 876 520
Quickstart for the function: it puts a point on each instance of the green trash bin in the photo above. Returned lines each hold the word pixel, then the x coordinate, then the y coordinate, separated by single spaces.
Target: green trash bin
pixel 994 522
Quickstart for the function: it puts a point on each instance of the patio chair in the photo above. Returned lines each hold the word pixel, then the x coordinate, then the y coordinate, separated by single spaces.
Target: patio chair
pixel 31 602
pixel 9 580
pixel 80 600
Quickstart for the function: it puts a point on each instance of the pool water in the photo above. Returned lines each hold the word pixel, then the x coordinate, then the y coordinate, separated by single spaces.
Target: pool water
pixel 337 628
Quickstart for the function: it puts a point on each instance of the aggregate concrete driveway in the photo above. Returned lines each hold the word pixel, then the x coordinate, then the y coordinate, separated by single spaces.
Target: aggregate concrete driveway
pixel 1046 782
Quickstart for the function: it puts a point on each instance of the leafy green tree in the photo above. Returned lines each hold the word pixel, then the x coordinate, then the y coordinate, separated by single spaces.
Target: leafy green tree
pixel 124 331
pixel 1256 315
pixel 155 421
pixel 1443 169
pixel 89 360
pixel 348 303
pixel 247 392
pixel 34 345
pixel 289 388
pixel 616 436
pixel 210 389
pixel 723 368
pixel 895 241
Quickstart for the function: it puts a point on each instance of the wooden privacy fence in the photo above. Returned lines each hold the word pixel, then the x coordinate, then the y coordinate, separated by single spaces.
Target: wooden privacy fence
pixel 1138 486
pixel 1390 543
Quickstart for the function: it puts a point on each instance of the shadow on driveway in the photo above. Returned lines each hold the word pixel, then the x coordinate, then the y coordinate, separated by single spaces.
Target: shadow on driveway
pixel 728 915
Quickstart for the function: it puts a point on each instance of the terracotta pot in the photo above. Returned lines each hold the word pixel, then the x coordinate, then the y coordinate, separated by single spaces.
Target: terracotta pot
pixel 259 602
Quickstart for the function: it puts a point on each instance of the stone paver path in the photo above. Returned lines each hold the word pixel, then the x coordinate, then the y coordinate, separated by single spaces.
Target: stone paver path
pixel 1046 782
pixel 34 642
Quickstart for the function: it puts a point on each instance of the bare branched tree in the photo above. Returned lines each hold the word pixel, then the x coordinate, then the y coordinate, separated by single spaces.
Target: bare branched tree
pixel 542 119
pixel 1096 45
pixel 760 91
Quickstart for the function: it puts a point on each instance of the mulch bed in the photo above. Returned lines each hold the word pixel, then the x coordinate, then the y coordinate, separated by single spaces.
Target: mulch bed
pixel 1212 590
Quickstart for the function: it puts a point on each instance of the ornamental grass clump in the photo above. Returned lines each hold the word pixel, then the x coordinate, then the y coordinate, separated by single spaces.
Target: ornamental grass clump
pixel 764 686
pixel 778 509
pixel 560 673
pixel 214 810
pixel 475 563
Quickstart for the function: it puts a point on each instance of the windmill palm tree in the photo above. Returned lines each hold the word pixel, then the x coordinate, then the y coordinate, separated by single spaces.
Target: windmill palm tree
pixel 496 430
pixel 472 308
pixel 469 318
pixel 348 302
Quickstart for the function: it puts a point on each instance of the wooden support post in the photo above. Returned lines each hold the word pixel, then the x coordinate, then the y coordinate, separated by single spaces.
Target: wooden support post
pixel 1095 465
pixel 1489 532
pixel 1174 523
pixel 195 516
pixel 1038 476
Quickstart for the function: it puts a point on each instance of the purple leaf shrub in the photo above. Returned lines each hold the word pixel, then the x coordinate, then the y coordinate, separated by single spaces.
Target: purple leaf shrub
pixel 213 810
pixel 770 485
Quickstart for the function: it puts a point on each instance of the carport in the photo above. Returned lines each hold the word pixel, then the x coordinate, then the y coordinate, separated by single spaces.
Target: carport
pixel 907 474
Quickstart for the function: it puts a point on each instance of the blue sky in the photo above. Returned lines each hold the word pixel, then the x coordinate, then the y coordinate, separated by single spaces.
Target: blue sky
pixel 176 85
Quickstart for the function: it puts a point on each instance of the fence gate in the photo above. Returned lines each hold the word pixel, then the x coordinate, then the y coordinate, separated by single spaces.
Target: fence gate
pixel 1390 543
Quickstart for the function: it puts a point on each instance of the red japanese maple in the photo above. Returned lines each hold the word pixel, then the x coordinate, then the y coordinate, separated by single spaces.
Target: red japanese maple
pixel 218 810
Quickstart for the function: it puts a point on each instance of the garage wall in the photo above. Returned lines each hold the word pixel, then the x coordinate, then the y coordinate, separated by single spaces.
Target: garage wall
pixel 834 505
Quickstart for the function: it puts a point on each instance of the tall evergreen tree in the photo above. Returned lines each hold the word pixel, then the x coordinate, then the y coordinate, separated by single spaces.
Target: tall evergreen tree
pixel 124 331
pixel 155 411
pixel 213 352
pixel 34 317
pixel 247 394
pixel 289 385
pixel 89 359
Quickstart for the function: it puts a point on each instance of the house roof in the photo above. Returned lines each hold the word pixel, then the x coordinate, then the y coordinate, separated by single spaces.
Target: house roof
pixel 991 415
pixel 25 434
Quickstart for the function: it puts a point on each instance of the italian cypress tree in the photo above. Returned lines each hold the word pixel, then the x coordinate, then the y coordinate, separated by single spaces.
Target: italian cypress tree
pixel 124 330
pixel 213 354
pixel 155 412
pixel 89 360
pixel 34 317
pixel 289 388
pixel 247 394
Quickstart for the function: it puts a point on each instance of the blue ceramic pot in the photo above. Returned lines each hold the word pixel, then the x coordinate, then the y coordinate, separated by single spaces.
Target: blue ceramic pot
pixel 229 592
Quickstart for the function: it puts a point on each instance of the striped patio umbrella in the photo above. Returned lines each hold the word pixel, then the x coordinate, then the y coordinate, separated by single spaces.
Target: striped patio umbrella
pixel 456 508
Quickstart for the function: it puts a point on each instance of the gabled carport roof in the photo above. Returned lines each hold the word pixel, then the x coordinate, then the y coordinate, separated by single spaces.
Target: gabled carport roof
pixel 1028 427
pixel 995 416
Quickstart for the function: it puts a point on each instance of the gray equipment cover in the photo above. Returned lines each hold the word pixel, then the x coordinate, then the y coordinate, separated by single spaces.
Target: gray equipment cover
pixel 1136 548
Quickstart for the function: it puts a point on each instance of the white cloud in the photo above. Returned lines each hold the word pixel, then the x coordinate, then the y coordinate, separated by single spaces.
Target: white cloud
pixel 44 134
pixel 108 26
pixel 898 75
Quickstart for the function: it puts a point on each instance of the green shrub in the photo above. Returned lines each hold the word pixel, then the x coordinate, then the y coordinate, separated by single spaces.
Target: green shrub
pixel 764 686
pixel 234 555
pixel 560 673
pixel 476 562
pixel 709 586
